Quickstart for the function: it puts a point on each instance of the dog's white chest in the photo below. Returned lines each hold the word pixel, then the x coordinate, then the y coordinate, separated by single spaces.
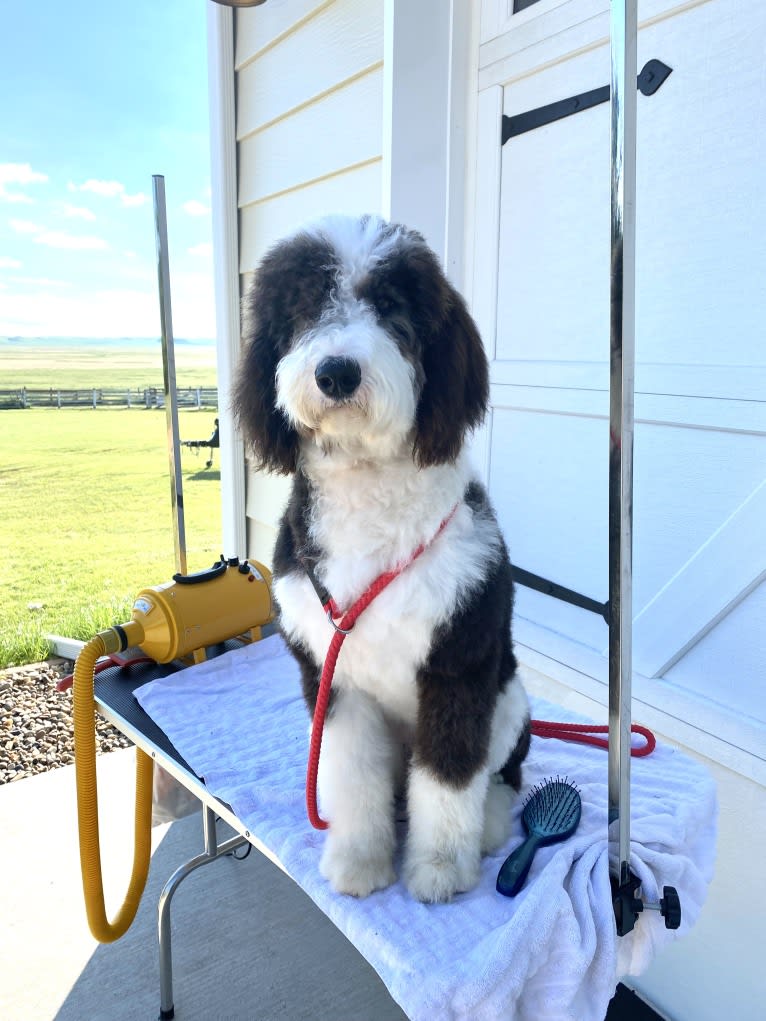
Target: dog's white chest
pixel 385 648
pixel 366 522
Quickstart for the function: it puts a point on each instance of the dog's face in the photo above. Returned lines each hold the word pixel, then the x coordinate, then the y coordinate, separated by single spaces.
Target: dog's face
pixel 357 342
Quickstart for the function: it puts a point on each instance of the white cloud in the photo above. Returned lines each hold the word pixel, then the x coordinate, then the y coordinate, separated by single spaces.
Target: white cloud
pixel 88 313
pixel 110 189
pixel 204 249
pixel 60 239
pixel 6 262
pixel 134 200
pixel 15 196
pixel 41 282
pixel 107 188
pixel 25 227
pixel 56 238
pixel 195 208
pixel 78 212
pixel 19 174
pixel 128 312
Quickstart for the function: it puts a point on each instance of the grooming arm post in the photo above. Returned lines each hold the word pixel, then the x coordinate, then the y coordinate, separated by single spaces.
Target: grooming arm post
pixel 623 30
pixel 169 371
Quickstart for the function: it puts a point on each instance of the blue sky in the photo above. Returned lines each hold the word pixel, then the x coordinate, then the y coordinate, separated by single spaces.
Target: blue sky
pixel 97 97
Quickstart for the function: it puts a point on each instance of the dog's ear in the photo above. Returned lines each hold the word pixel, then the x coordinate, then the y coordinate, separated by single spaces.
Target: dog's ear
pixel 266 331
pixel 290 287
pixel 456 383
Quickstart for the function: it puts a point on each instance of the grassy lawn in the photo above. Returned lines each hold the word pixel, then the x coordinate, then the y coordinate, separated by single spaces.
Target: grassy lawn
pixel 85 517
pixel 37 365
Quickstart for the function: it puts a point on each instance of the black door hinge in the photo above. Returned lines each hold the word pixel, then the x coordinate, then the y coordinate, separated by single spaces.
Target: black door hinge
pixel 651 78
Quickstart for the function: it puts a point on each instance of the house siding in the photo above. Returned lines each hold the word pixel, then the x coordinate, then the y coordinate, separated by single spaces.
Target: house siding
pixel 309 80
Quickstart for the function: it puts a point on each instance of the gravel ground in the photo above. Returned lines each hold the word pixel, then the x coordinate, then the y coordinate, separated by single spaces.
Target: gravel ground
pixel 36 730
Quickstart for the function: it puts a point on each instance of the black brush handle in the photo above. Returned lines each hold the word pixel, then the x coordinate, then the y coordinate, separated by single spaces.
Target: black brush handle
pixel 515 868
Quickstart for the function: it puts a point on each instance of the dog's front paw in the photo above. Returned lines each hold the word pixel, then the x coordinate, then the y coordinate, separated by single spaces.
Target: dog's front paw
pixel 351 870
pixel 436 878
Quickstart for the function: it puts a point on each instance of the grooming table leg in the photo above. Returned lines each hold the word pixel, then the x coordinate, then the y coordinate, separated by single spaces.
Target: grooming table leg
pixel 212 851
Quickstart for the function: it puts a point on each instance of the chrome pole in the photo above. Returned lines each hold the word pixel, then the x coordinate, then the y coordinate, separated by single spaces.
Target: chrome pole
pixel 169 371
pixel 623 32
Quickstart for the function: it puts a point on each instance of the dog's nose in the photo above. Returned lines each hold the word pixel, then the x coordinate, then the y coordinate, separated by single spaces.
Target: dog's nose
pixel 338 377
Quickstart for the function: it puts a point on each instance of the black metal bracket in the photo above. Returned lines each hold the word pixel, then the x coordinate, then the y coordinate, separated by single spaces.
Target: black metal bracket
pixel 567 595
pixel 627 906
pixel 652 76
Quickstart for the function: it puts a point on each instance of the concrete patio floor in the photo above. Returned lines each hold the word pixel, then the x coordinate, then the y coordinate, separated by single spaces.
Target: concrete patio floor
pixel 248 943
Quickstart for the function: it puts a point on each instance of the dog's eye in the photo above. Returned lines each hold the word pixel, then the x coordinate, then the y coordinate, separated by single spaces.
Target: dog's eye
pixel 400 331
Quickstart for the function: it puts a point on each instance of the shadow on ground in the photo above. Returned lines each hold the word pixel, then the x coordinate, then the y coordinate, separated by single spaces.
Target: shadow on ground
pixel 247 943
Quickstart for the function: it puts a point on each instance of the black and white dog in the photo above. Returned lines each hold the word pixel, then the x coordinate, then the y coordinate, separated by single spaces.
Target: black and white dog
pixel 362 375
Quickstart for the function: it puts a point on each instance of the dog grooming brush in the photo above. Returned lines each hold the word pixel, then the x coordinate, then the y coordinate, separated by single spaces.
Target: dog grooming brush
pixel 551 813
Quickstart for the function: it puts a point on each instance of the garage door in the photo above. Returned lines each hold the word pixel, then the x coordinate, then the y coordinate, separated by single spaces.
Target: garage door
pixel 700 440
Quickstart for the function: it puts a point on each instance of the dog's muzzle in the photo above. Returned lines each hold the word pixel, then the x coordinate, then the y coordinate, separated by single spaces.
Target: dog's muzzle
pixel 338 378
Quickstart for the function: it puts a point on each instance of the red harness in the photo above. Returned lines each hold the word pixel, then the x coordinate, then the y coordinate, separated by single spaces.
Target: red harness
pixel 578 732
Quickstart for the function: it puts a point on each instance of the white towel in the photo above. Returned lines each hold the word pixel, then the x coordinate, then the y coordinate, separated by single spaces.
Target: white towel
pixel 549 954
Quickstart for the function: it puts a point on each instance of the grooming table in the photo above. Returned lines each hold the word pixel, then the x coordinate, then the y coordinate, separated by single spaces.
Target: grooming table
pixel 552 952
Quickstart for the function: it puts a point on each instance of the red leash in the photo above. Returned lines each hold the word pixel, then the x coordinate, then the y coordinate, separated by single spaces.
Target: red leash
pixel 342 629
pixel 582 733
pixel 578 732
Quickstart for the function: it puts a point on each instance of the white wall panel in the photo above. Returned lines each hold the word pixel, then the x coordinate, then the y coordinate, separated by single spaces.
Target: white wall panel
pixel 309 125
pixel 355 191
pixel 296 150
pixel 700 440
pixel 258 29
pixel 700 247
pixel 719 666
pixel 343 40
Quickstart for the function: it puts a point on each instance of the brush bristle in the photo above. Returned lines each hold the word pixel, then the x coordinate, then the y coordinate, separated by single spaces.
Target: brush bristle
pixel 552 805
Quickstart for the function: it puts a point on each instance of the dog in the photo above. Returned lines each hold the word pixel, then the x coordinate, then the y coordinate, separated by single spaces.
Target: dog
pixel 362 375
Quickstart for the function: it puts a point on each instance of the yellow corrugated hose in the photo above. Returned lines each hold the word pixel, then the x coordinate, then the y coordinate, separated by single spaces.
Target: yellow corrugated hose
pixel 87 793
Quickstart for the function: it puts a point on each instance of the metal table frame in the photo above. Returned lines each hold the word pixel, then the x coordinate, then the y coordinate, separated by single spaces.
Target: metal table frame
pixel 115 702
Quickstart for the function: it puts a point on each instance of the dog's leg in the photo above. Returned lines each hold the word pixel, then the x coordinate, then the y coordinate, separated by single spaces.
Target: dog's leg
pixel 445 835
pixel 356 784
pixel 455 812
pixel 508 746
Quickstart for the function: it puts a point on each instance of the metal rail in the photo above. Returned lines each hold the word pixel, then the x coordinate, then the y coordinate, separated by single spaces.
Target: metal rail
pixel 169 371
pixel 623 32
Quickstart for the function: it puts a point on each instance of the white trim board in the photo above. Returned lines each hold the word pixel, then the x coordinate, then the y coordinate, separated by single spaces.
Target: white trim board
pixel 223 173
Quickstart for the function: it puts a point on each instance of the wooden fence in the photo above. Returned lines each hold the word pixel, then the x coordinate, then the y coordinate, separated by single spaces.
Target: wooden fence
pixel 146 397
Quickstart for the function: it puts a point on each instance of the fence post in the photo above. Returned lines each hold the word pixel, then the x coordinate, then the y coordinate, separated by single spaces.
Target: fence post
pixel 128 396
pixel 58 399
pixel 94 398
pixel 199 402
pixel 24 397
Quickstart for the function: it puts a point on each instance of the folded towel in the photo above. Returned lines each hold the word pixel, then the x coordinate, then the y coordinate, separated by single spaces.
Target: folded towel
pixel 549 954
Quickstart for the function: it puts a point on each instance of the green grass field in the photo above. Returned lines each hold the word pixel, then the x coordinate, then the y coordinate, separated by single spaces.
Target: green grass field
pixel 85 517
pixel 40 365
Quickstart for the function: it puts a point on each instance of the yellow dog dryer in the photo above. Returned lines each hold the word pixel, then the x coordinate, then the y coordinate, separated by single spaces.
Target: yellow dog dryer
pixel 180 618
